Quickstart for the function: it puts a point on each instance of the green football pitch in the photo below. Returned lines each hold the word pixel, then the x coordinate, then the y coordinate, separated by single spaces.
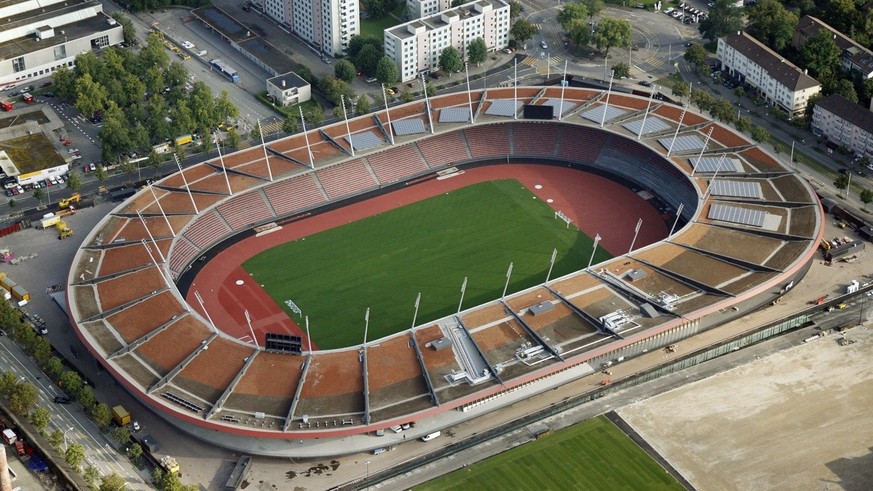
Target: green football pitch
pixel 382 262
pixel 591 455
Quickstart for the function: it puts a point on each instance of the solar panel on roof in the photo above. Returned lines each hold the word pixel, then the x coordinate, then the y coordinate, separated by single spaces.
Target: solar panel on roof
pixel 455 115
pixel 739 189
pixel 716 164
pixel 559 109
pixel 736 214
pixel 653 125
pixel 683 143
pixel 596 114
pixel 365 140
pixel 503 107
pixel 407 127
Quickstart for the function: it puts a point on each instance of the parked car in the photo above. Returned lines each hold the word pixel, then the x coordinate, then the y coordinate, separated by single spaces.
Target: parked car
pixel 62 400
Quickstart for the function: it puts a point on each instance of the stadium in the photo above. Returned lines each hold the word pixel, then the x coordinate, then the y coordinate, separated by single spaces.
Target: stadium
pixel 701 226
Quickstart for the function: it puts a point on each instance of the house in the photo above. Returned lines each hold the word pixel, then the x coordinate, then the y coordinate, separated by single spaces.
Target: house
pixel 288 89
pixel 844 123
pixel 854 57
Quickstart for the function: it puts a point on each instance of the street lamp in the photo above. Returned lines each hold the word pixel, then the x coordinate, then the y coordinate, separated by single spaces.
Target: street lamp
pixel 368 474
pixel 66 446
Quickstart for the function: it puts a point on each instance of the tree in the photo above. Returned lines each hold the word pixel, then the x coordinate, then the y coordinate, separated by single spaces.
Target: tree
pixel 41 418
pixel 723 110
pixel 841 182
pixel 75 455
pixel 515 9
pixel 724 18
pixel 71 382
pixel 102 415
pixel 13 203
pixel 821 55
pixel 39 195
pixel 315 115
pixel 368 58
pixel 621 70
pixel 450 60
pixel 696 55
pixel 154 161
pixel 344 70
pixel 232 139
pixel 743 124
pixel 379 8
pixel 91 475
pixel 121 435
pixel 594 7
pixel 739 92
pixel 572 11
pixel 290 125
pixel 23 397
pixel 64 83
pixel 225 109
pixel 612 32
pixel 386 71
pixel 702 99
pixel 101 173
pixel 760 135
pixel 91 97
pixel 363 105
pixel 127 29
pixel 113 482
pixel 53 367
pixel 681 88
pixel 579 32
pixel 357 43
pixel 335 89
pixel 771 23
pixel 74 181
pixel 183 118
pixel 56 439
pixel 430 90
pixel 115 134
pixel 846 89
pixel 457 3
pixel 153 53
pixel 86 397
pixel 839 14
pixel 522 30
pixel 255 134
pixel 866 197
pixel 477 51
pixel 135 452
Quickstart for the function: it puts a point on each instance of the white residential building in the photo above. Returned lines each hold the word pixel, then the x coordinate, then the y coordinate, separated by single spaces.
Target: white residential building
pixel 853 55
pixel 38 37
pixel 424 8
pixel 778 81
pixel 326 24
pixel 416 46
pixel 845 123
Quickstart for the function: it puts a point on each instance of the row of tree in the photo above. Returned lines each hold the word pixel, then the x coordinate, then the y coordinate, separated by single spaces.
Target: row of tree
pixel 576 20
pixel 143 98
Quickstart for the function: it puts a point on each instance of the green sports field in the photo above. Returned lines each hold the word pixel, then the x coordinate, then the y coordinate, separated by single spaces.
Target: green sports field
pixel 384 261
pixel 591 455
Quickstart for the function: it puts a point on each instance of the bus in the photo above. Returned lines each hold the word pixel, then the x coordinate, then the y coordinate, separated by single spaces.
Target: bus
pixel 225 70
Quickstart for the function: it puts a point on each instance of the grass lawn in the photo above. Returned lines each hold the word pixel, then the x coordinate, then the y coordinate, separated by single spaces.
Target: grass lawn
pixel 590 455
pixel 384 261
pixel 375 27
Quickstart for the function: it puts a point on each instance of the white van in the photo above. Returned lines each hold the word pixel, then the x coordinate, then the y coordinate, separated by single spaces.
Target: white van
pixel 430 436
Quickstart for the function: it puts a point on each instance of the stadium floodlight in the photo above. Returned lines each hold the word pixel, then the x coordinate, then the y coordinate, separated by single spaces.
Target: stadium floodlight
pixel 415 315
pixel 469 96
pixel 506 285
pixel 306 137
pixel 646 115
pixel 791 156
pixel 608 91
pixel 551 265
pixel 563 85
pixel 714 176
pixel 678 127
pixel 206 312
pixel 162 209
pixel 515 90
pixel 388 115
pixel 366 325
pixel 636 232
pixel 170 285
pixel 463 290
pixel 264 146
pixel 151 237
pixel 308 337
pixel 700 156
pixel 185 180
pixel 348 128
pixel 678 214
pixel 249 322
pixel 221 158
pixel 593 250
pixel 427 103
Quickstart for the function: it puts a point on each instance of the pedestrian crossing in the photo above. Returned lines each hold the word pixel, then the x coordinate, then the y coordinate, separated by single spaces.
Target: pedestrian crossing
pixel 536 62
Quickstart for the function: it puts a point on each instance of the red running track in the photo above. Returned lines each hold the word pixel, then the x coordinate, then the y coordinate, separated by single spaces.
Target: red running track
pixel 595 204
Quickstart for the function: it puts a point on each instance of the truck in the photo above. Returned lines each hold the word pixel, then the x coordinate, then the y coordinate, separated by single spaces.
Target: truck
pixel 169 464
pixel 63 230
pixel 66 202
pixel 27 97
pixel 9 437
pixel 183 140
pixel 120 415
pixel 49 220
pixel 6 105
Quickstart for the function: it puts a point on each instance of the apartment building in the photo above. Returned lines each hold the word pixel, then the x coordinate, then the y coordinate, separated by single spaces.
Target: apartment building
pixel 416 46
pixel 327 25
pixel 845 123
pixel 38 37
pixel 853 56
pixel 425 8
pixel 779 82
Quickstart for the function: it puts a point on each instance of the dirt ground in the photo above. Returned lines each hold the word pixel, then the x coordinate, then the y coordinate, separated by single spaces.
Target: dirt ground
pixel 798 419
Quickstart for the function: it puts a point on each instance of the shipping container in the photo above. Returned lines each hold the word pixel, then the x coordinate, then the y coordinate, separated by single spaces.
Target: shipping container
pixel 7 283
pixel 20 293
